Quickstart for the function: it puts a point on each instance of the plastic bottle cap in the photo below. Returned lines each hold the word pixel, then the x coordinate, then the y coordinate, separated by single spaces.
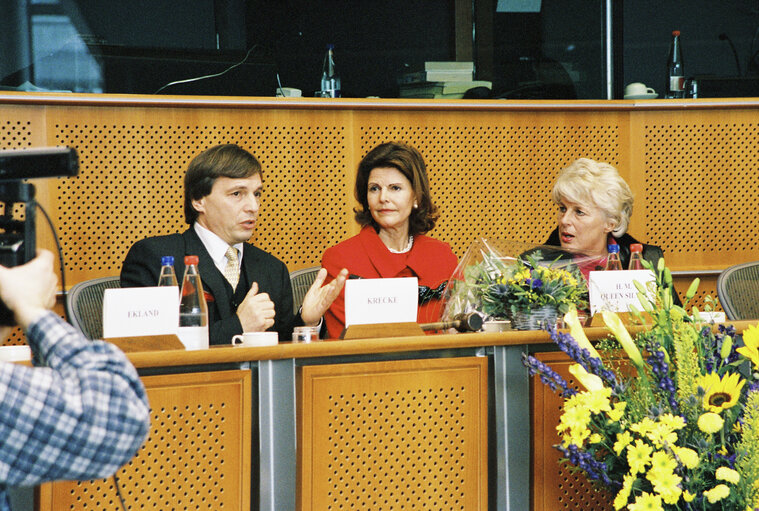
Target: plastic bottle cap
pixel 636 247
pixel 613 249
pixel 675 33
pixel 190 259
pixel 167 261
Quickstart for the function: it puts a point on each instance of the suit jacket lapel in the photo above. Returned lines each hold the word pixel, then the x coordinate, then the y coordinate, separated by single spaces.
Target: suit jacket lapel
pixel 213 280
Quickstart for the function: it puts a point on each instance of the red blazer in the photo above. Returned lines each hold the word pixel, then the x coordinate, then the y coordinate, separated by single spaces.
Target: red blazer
pixel 365 256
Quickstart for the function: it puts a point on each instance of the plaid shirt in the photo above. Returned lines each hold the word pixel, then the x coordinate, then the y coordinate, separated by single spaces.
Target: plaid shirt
pixel 80 417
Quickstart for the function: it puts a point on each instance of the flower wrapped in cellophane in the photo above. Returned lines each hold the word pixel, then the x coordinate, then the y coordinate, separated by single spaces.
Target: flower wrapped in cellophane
pixel 675 427
pixel 498 277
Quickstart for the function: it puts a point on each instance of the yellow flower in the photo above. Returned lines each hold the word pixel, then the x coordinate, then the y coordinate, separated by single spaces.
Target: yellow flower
pixel 589 381
pixel 710 422
pixel 643 427
pixel 646 502
pixel 617 411
pixel 616 326
pixel 723 393
pixel 717 493
pixel 727 474
pixel 620 501
pixel 751 348
pixel 688 457
pixel 638 456
pixel 577 332
pixel 595 438
pixel 662 463
pixel 688 496
pixel 673 422
pixel 623 440
pixel 597 401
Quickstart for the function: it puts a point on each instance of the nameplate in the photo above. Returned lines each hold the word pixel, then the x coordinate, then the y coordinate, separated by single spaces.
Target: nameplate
pixel 615 291
pixel 135 311
pixel 371 301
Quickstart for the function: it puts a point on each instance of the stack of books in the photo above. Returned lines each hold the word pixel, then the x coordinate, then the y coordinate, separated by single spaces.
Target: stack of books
pixel 448 80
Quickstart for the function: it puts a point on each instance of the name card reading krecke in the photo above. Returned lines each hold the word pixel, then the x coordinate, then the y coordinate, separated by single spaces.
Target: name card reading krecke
pixel 135 311
pixel 615 291
pixel 369 301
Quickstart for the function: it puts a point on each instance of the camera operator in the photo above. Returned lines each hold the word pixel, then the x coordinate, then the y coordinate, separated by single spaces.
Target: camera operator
pixel 82 413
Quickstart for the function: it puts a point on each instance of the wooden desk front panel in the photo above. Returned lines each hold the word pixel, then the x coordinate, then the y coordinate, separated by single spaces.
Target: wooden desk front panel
pixel 393 435
pixel 197 455
pixel 556 486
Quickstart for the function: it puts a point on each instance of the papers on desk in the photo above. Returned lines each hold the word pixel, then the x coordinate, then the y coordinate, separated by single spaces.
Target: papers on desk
pixel 615 291
pixel 372 301
pixel 135 311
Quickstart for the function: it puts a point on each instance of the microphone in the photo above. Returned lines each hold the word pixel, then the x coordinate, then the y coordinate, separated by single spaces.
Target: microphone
pixel 724 37
pixel 467 322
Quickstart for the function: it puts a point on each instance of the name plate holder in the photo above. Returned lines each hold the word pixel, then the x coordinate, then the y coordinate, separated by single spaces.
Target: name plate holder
pixel 164 342
pixel 372 304
pixel 375 330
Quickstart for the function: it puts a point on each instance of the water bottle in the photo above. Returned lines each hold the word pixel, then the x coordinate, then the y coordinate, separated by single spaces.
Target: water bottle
pixel 330 76
pixel 612 261
pixel 636 257
pixel 193 310
pixel 676 73
pixel 167 276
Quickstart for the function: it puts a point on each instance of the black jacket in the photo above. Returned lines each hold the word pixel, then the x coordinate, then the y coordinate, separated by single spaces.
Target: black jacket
pixel 143 264
pixel 651 253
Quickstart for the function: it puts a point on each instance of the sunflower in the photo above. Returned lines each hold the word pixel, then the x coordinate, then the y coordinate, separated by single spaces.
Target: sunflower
pixel 721 394
pixel 751 342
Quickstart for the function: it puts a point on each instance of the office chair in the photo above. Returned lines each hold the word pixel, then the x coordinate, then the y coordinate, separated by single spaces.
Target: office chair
pixel 738 291
pixel 301 281
pixel 85 305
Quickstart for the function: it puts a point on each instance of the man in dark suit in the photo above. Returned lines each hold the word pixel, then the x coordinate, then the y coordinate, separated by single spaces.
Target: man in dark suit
pixel 247 289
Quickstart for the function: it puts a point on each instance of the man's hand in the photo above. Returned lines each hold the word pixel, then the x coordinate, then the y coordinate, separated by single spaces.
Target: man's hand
pixel 29 290
pixel 256 312
pixel 319 298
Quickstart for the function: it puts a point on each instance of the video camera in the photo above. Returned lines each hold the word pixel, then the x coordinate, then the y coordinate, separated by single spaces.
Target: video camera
pixel 18 236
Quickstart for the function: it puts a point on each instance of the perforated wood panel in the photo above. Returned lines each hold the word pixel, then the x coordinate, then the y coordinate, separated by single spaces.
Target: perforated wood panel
pixel 132 170
pixel 393 435
pixel 491 176
pixel 197 455
pixel 555 485
pixel 701 187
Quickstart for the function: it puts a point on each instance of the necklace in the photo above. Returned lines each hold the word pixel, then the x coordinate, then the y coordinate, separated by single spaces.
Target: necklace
pixel 403 250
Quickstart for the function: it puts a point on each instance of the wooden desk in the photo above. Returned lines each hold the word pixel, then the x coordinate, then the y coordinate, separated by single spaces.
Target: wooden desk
pixel 305 426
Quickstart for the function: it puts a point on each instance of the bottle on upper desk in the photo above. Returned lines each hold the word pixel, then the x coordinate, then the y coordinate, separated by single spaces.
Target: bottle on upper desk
pixel 675 71
pixel 167 276
pixel 330 76
pixel 636 257
pixel 193 310
pixel 612 260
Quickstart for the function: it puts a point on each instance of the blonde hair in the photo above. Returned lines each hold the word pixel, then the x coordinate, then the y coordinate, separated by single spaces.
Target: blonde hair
pixel 591 183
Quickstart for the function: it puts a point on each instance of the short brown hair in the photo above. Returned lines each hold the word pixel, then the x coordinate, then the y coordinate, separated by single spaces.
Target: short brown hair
pixel 410 163
pixel 226 160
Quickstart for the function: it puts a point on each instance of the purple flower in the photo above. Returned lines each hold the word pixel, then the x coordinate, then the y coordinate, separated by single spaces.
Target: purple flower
pixel 535 283
pixel 547 375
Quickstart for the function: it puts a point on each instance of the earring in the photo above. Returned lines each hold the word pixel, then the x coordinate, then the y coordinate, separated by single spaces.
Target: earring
pixel 416 206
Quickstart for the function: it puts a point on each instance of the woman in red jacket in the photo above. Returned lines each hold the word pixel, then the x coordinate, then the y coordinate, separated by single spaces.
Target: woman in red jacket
pixel 396 210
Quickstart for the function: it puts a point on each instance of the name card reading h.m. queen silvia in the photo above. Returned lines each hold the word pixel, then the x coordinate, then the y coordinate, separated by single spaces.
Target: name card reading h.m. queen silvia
pixel 615 291
pixel 371 301
pixel 136 311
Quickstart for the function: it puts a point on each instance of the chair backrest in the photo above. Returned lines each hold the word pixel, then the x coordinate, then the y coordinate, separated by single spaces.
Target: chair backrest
pixel 85 305
pixel 301 281
pixel 738 291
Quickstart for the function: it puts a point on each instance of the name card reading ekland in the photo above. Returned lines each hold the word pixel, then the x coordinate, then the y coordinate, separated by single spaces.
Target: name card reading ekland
pixel 135 311
pixel 370 301
pixel 615 291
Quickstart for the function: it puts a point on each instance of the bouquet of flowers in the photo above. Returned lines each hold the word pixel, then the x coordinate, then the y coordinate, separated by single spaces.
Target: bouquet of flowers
pixel 677 428
pixel 496 277
pixel 531 283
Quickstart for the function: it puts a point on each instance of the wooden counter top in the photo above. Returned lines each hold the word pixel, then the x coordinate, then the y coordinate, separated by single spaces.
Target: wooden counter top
pixel 244 102
pixel 334 348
